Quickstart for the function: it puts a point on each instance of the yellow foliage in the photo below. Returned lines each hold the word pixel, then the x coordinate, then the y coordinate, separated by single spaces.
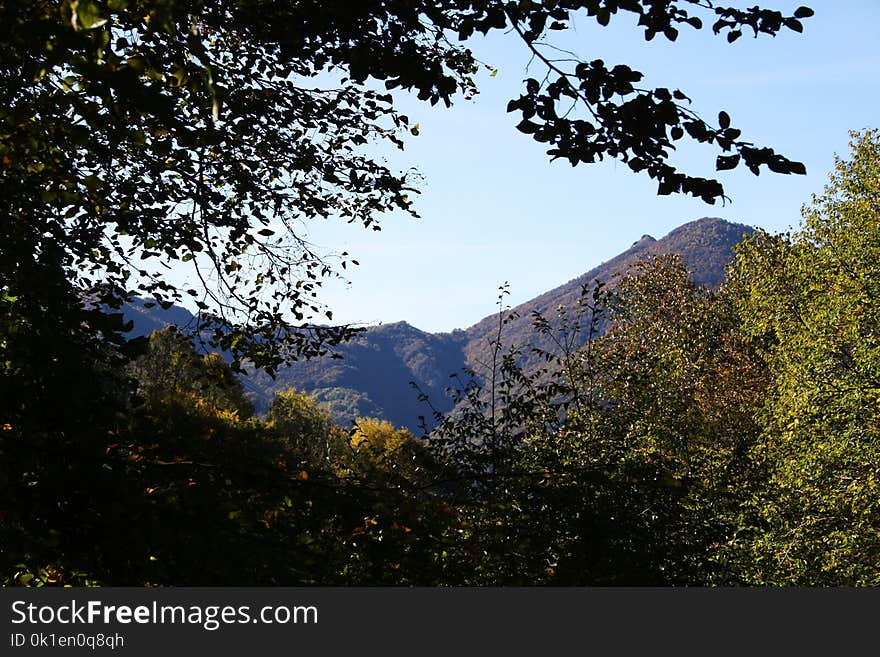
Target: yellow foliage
pixel 379 436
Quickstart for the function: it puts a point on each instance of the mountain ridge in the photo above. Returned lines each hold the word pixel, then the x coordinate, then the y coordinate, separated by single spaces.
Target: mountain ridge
pixel 374 374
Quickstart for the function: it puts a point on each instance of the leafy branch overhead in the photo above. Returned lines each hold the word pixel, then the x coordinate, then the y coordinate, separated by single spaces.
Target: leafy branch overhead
pixel 620 120
pixel 139 133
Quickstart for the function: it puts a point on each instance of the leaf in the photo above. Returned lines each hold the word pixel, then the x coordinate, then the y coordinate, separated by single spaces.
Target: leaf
pixel 86 15
pixel 803 12
pixel 724 120
pixel 798 168
pixel 528 127
pixel 637 164
pixel 92 183
pixel 726 162
pixel 794 24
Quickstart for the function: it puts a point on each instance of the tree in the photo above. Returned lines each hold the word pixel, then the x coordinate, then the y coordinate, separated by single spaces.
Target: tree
pixel 678 370
pixel 812 300
pixel 300 418
pixel 379 445
pixel 642 482
pixel 134 133
pixel 680 385
pixel 172 369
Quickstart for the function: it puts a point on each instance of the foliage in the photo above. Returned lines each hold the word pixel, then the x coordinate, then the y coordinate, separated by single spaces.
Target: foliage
pixel 140 134
pixel 172 368
pixel 379 445
pixel 374 435
pixel 675 435
pixel 705 245
pixel 637 472
pixel 60 389
pixel 143 132
pixel 370 375
pixel 811 300
pixel 680 385
pixel 181 492
pixel 299 417
pixel 137 133
pixel 507 518
pixel 497 403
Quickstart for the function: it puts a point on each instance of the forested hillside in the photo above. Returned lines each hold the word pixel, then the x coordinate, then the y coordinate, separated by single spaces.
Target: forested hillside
pixel 373 372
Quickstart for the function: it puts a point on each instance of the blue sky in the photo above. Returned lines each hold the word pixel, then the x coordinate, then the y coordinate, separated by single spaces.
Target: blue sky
pixel 494 208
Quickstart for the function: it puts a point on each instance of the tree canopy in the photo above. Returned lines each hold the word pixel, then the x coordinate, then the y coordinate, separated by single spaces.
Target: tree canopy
pixel 810 299
pixel 135 134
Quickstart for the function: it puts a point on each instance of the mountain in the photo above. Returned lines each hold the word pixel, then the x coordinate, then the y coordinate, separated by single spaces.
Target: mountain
pixel 373 375
pixel 153 318
pixel 705 245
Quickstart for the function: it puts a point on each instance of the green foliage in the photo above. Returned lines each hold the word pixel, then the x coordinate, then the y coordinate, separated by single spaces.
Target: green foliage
pixel 637 471
pixel 298 416
pixel 706 248
pixel 812 300
pixel 680 386
pixel 172 368
pixel 305 424
pixel 675 435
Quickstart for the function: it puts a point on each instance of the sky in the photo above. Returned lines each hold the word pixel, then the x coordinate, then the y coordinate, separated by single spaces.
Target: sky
pixel 495 210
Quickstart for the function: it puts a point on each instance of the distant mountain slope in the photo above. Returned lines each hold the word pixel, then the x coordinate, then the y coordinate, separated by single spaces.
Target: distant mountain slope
pixel 373 376
pixel 146 320
pixel 705 245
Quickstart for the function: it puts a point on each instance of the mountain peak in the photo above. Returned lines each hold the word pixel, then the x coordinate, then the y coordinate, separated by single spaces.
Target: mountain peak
pixel 645 240
pixel 705 246
pixel 712 224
